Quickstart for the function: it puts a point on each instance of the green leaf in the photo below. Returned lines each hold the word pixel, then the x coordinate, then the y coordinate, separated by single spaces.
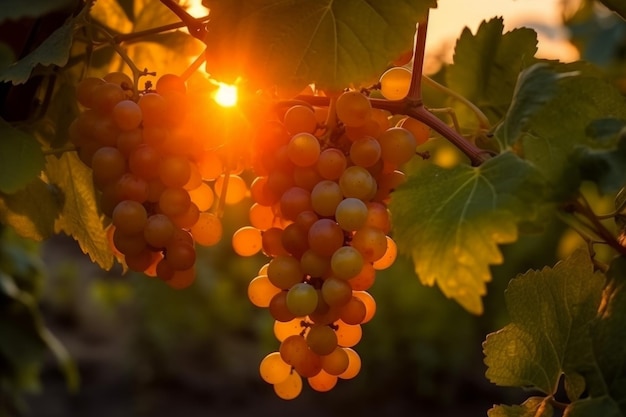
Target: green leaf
pixel 603 406
pixel 452 220
pixel 535 86
pixel 604 167
pixel 55 50
pixel 532 407
pixel 291 43
pixel 62 111
pixel 551 314
pixel 605 129
pixel 578 102
pixel 17 9
pixel 609 334
pixel 32 211
pixel 486 67
pixel 617 6
pixel 21 158
pixel 111 14
pixel 80 218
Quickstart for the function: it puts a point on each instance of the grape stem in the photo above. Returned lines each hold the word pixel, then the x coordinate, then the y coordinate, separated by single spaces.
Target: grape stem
pixel 197 27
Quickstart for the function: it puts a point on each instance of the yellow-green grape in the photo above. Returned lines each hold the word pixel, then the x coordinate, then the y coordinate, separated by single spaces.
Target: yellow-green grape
pixel 284 272
pixel 353 108
pixel 395 83
pixel 302 299
pixel 371 242
pixel 325 197
pixel 397 145
pixel 336 362
pixel 336 292
pixel 300 118
pixel 357 182
pixel 351 214
pixel 321 339
pixel 365 151
pixel 303 149
pixel 354 364
pixel 346 262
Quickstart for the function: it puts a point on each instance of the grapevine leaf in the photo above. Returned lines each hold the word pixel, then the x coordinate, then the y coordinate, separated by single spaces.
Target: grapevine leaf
pixel 602 406
pixel 551 311
pixel 55 50
pixel 617 6
pixel 291 43
pixel 153 14
pixel 112 14
pixel 486 67
pixel 532 407
pixel 63 109
pixel 32 211
pixel 535 86
pixel 79 217
pixel 580 100
pixel 21 158
pixel 452 220
pixel 17 9
pixel 604 167
pixel 608 337
pixel 605 129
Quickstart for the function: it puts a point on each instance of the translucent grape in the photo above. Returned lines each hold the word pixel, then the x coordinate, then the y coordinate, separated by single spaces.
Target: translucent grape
pixel 208 229
pixel 325 197
pixel 389 257
pixel 290 388
pixel 273 369
pixel 371 242
pixel 261 291
pixel 351 214
pixel 395 83
pixel 365 152
pixel 322 382
pixel 236 188
pixel 357 182
pixel 336 362
pixel 301 299
pixel 303 149
pixel 397 145
pixel 369 302
pixel 353 108
pixel 247 241
pixel 331 163
pixel 300 118
pixel 354 364
pixel 284 272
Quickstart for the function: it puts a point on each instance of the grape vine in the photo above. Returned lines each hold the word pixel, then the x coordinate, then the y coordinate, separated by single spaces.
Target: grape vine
pixel 343 169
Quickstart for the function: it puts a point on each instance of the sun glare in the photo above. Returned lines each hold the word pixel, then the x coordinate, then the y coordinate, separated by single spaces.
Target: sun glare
pixel 226 95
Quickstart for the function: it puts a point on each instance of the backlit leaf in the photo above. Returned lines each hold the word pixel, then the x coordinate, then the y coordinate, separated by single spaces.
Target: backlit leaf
pixel 291 43
pixel 21 158
pixel 532 407
pixel 79 218
pixel 452 220
pixel 55 50
pixel 551 312
pixel 486 67
pixel 32 211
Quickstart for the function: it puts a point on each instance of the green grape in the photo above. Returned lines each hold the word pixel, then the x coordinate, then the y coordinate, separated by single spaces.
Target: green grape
pixel 357 182
pixel 294 201
pixel 325 197
pixel 395 83
pixel 314 264
pixel 153 108
pixel 129 217
pixel 419 130
pixel 290 388
pixel 323 381
pixel 106 96
pixel 261 291
pixel 295 240
pixel 365 151
pixel 331 163
pixel 174 201
pixel 127 115
pixel 353 312
pixel 301 299
pixel 180 255
pixel 108 165
pixel 370 242
pixel 170 82
pixel 397 146
pixel 85 90
pixel 346 262
pixel 336 292
pixel 284 272
pixel 158 230
pixel 208 229
pixel 351 214
pixel 336 362
pixel 353 108
pixel 144 162
pixel 321 339
pixel 303 149
pixel 300 118
pixel 273 369
pixel 325 237
pixel 174 171
pixel 278 307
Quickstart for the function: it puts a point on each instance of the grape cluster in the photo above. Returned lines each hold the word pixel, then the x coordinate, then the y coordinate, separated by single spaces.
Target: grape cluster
pixel 320 213
pixel 151 162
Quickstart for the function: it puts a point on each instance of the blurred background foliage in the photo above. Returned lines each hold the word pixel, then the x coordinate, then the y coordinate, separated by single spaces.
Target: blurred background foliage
pixel 75 340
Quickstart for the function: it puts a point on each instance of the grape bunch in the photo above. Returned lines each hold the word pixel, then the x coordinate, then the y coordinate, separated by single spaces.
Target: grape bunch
pixel 320 214
pixel 151 161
